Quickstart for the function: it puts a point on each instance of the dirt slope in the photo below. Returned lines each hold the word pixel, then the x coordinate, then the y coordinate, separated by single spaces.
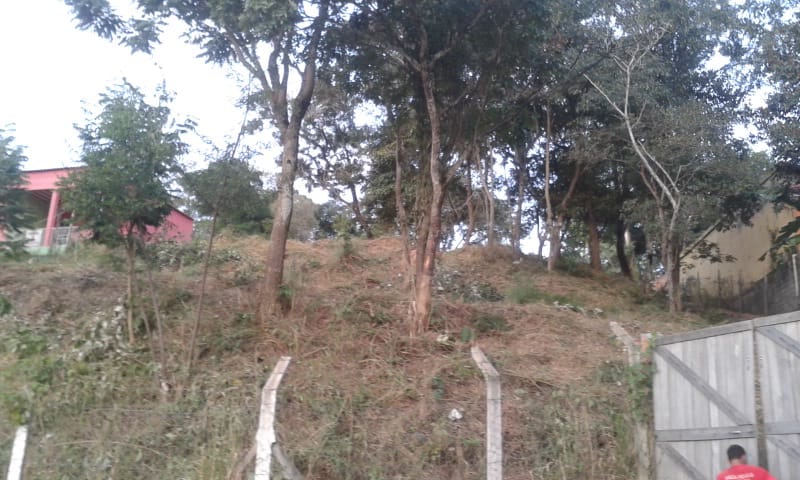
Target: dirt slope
pixel 360 401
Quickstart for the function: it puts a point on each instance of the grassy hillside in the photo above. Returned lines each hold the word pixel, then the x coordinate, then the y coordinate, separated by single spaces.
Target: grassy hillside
pixel 360 401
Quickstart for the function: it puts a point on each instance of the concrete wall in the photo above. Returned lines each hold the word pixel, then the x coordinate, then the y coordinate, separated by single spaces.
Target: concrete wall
pixel 746 244
pixel 777 294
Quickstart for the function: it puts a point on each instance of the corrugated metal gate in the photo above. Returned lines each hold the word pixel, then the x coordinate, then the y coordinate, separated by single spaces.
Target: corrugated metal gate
pixel 704 394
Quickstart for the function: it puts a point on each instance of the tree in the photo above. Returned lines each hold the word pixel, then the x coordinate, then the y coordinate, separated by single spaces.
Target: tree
pixel 271 39
pixel 13 214
pixel 235 191
pixel 678 120
pixel 336 158
pixel 450 63
pixel 130 153
pixel 778 31
pixel 306 223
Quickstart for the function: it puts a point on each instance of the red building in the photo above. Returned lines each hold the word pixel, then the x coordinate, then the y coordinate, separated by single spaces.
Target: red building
pixel 51 228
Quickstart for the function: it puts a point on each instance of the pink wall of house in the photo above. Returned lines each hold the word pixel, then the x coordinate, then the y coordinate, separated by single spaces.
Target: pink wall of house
pixel 177 226
pixel 45 179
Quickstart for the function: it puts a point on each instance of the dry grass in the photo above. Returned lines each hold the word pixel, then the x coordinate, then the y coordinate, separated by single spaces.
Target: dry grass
pixel 361 400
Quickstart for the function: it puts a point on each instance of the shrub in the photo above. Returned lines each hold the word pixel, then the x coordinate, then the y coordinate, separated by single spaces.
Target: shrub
pixel 487 322
pixel 524 293
pixel 5 306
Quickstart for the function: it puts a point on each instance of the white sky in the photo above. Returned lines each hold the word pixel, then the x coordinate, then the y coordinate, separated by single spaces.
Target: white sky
pixel 52 72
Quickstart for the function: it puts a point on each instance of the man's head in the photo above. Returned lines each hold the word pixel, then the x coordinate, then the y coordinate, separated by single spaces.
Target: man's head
pixel 737 455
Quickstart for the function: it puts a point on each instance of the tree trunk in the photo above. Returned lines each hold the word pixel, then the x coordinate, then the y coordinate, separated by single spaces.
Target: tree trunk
pixel 674 280
pixel 289 124
pixel 553 230
pixel 356 206
pixel 273 277
pixel 198 313
pixel 594 241
pixel 426 254
pixel 491 238
pixel 130 249
pixel 470 208
pixel 622 256
pixel 541 234
pixel 522 183
pixel 402 216
pixel 554 236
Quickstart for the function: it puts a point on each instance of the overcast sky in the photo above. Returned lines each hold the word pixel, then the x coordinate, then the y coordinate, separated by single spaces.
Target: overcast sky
pixel 53 72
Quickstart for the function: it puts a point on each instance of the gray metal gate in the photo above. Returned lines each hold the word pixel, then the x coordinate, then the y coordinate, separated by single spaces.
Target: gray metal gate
pixel 704 400
pixel 778 344
pixel 704 395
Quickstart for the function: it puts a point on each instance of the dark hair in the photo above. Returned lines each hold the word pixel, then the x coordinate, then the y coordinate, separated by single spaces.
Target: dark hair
pixel 735 452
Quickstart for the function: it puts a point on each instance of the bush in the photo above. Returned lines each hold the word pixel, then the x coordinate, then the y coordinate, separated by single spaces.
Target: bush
pixel 527 293
pixel 524 293
pixel 487 322
pixel 177 255
pixel 5 306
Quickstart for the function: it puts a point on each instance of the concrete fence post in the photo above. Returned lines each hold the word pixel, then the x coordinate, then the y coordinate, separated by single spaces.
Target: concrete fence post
pixel 265 436
pixel 18 454
pixel 494 416
pixel 641 432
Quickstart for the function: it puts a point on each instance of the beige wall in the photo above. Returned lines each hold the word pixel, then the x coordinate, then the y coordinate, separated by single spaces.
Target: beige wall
pixel 747 244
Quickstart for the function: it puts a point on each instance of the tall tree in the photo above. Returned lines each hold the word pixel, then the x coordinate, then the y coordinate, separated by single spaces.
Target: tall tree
pixel 451 63
pixel 776 26
pixel 272 39
pixel 678 118
pixel 130 153
pixel 336 159
pixel 13 214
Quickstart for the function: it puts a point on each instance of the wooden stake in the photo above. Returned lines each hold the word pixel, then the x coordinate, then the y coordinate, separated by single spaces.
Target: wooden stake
pixel 18 454
pixel 265 436
pixel 494 416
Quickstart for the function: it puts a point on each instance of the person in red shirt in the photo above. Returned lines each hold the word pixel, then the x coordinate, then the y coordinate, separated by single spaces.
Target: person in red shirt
pixel 740 470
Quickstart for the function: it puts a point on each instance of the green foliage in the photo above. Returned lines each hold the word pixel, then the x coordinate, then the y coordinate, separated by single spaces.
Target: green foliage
pixel 361 310
pixel 130 152
pixel 438 387
pixel 338 148
pixel 343 227
pixel 6 307
pixel 487 322
pixel 638 382
pixel 25 342
pixel 14 216
pixel 574 266
pixel 523 292
pixel 177 255
pixel 467 335
pixel 235 191
pixel 32 373
pixel 639 379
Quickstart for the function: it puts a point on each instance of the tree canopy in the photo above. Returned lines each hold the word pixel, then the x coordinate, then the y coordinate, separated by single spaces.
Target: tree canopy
pixel 234 191
pixel 130 154
pixel 13 212
pixel 478 121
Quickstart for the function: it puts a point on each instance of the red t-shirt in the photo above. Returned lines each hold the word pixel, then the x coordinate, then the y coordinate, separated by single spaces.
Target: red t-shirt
pixel 745 472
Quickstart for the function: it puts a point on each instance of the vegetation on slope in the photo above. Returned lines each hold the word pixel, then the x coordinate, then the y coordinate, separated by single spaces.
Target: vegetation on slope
pixel 360 401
